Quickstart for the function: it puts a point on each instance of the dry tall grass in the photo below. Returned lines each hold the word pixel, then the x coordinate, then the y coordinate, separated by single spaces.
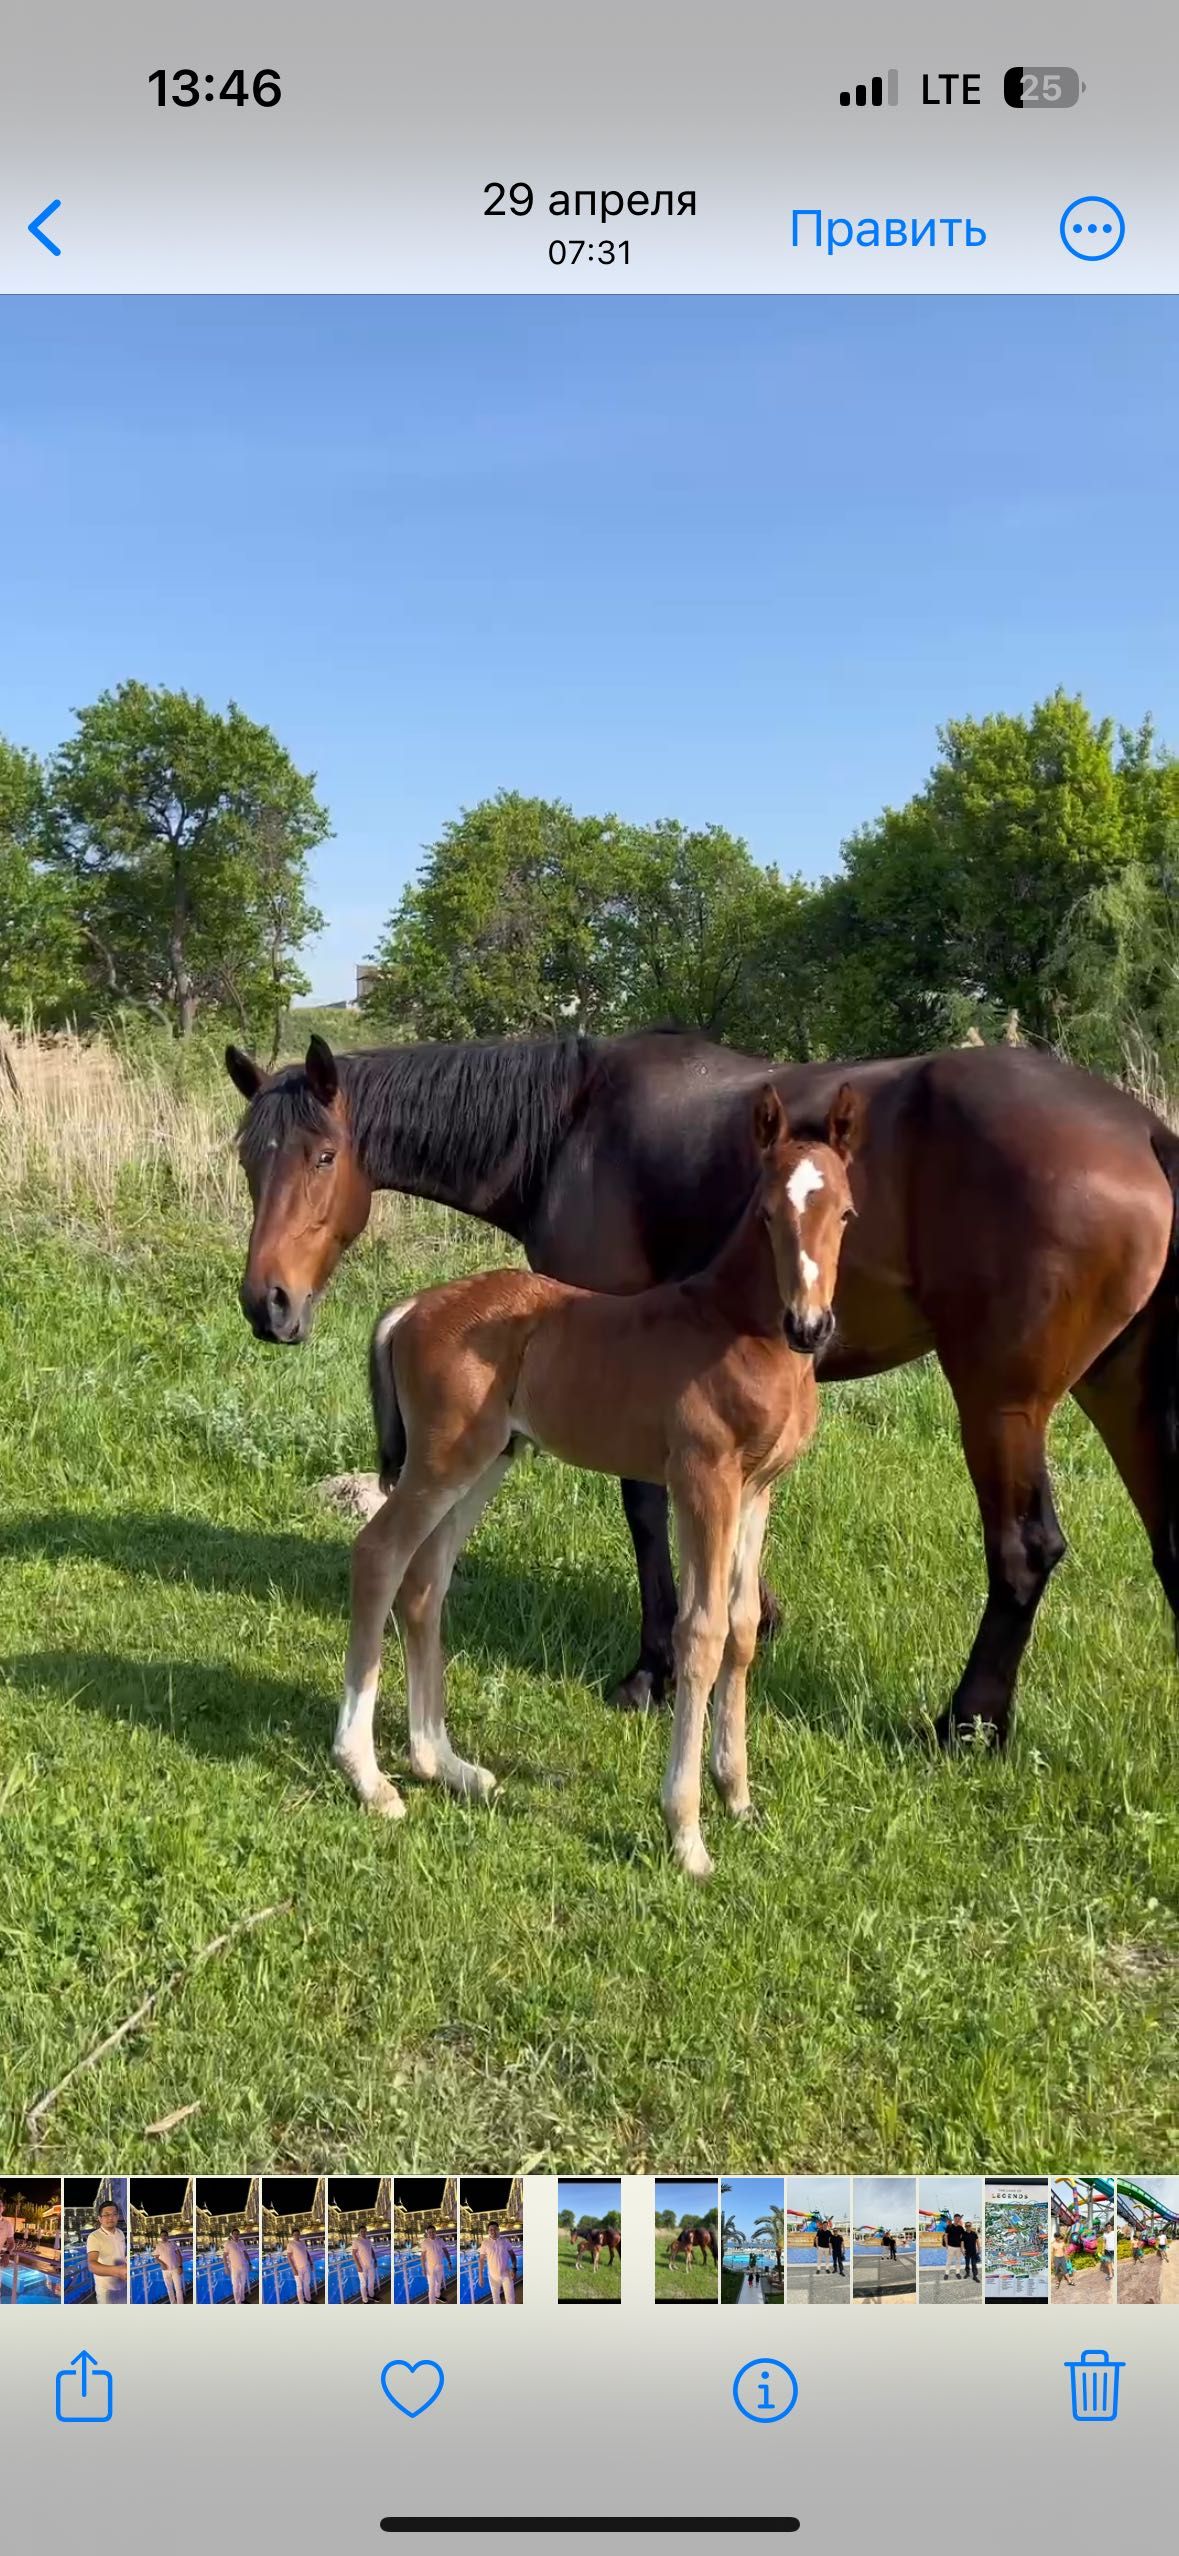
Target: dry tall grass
pixel 86 1131
pixel 80 1124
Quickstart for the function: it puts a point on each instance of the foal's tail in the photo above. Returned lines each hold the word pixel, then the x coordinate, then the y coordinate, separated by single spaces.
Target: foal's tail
pixel 1164 1376
pixel 382 1385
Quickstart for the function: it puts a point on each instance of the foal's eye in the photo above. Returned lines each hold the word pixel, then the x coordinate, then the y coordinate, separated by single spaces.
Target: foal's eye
pixel 323 1162
pixel 847 1216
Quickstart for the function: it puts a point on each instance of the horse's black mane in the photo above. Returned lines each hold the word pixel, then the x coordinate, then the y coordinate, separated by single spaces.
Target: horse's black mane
pixel 454 1116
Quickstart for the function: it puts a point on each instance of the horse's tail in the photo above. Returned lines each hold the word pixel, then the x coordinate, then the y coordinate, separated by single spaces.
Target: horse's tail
pixel 1164 1377
pixel 382 1384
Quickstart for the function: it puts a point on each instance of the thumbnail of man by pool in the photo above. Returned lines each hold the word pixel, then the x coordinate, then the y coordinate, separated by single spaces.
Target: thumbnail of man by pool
pixel 30 2241
pixel 425 2240
pixel 228 2240
pixel 162 2244
pixel 491 2241
pixel 94 2234
pixel 294 2240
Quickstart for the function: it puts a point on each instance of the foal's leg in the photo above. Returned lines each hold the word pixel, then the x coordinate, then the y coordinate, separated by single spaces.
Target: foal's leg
pixel 730 1771
pixel 647 1683
pixel 382 1552
pixel 707 1510
pixel 418 1609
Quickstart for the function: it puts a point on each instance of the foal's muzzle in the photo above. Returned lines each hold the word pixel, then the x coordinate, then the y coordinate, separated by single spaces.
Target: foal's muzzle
pixel 810 1332
pixel 273 1314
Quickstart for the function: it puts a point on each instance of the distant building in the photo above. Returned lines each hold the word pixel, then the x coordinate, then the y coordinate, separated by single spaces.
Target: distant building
pixel 366 978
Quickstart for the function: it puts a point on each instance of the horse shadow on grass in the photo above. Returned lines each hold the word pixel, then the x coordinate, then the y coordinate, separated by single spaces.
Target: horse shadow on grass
pixel 552 1621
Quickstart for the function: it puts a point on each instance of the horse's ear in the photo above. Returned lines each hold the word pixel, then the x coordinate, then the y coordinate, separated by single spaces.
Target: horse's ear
pixel 769 1119
pixel 845 1122
pixel 242 1070
pixel 322 1071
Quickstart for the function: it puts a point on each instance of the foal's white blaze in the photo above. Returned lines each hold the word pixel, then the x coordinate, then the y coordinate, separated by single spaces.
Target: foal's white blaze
pixel 809 1267
pixel 805 1177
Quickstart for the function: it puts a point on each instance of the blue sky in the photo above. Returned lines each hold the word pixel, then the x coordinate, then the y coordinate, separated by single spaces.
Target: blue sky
pixel 730 560
pixel 584 2199
pixel 682 2197
pixel 826 2193
pixel 961 2192
pixel 885 2200
pixel 750 2198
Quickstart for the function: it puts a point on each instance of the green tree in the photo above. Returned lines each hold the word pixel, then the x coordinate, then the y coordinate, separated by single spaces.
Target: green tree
pixel 185 833
pixel 40 953
pixel 499 931
pixel 953 908
pixel 528 918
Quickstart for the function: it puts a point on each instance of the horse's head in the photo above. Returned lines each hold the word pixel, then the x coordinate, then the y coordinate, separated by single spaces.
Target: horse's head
pixel 310 1195
pixel 805 1203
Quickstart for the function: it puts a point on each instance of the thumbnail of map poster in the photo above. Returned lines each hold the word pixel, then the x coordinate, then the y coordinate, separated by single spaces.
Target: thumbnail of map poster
pixel 1015 2257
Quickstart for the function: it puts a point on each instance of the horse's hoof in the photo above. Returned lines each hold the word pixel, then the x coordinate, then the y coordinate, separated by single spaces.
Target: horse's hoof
pixel 387 1803
pixel 958 1730
pixel 644 1691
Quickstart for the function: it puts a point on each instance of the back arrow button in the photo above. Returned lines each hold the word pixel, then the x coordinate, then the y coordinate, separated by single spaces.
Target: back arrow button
pixel 43 236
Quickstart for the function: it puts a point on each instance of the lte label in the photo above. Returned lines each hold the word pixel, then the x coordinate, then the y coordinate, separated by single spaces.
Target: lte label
pixel 938 88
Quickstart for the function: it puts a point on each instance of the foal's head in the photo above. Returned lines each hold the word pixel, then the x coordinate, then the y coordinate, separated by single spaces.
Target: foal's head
pixel 805 1203
pixel 310 1196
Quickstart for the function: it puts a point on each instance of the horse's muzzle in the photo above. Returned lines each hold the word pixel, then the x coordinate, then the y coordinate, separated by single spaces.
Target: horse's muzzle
pixel 273 1315
pixel 808 1333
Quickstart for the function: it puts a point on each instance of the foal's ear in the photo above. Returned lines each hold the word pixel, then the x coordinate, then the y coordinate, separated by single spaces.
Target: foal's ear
pixel 769 1119
pixel 242 1070
pixel 845 1123
pixel 322 1071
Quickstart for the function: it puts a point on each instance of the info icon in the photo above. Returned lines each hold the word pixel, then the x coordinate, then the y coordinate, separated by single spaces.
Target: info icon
pixel 765 2391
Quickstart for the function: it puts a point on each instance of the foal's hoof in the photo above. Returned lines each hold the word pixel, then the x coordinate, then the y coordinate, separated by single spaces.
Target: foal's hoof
pixel 644 1691
pixel 386 1801
pixel 692 1856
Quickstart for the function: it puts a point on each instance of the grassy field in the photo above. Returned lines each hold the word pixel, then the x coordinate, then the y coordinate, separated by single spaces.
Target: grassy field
pixel 683 2281
pixel 576 2278
pixel 909 1963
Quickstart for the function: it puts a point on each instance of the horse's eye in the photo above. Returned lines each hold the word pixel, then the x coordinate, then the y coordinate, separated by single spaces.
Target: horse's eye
pixel 847 1216
pixel 323 1162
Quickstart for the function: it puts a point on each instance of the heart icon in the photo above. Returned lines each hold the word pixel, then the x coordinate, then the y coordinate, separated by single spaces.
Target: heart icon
pixel 413 2378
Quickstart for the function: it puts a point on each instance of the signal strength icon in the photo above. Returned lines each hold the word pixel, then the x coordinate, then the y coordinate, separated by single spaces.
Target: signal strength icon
pixel 884 89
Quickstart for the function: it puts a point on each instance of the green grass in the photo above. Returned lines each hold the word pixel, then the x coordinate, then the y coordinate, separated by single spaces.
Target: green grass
pixel 681 2280
pixel 576 2278
pixel 910 1963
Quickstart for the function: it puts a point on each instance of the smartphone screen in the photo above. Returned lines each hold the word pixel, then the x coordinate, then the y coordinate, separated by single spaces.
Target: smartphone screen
pixel 589 1327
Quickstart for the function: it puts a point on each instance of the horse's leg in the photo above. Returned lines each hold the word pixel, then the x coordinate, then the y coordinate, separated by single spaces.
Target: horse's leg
pixel 382 1551
pixel 646 1684
pixel 1120 1396
pixel 707 1510
pixel 418 1610
pixel 1005 1451
pixel 730 1770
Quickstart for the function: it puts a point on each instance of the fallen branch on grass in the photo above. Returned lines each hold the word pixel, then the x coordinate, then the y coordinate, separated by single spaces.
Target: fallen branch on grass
pixel 171 2120
pixel 34 2120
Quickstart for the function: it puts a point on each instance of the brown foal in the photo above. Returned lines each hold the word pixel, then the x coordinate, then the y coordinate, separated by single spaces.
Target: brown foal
pixel 706 1384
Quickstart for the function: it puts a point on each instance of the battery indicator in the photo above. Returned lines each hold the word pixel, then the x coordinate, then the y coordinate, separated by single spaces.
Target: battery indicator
pixel 1039 84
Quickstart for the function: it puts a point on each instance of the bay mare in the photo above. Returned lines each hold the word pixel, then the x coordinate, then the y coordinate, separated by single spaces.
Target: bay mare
pixel 705 1384
pixel 1016 1218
